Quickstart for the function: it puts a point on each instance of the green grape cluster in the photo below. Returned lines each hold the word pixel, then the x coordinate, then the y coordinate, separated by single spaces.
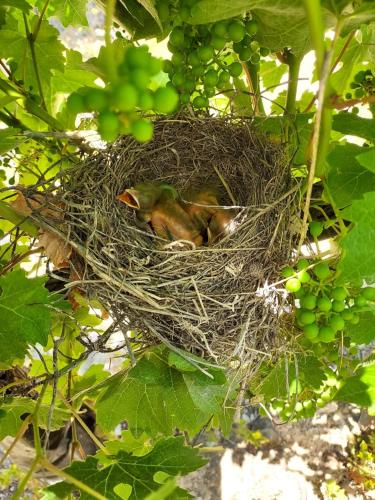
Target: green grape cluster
pixel 295 409
pixel 204 58
pixel 119 106
pixel 362 85
pixel 324 308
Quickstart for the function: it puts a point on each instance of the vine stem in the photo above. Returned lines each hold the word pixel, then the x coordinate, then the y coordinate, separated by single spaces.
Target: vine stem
pixel 252 76
pixel 31 40
pixel 293 63
pixel 21 487
pixel 322 126
pixel 40 19
pixel 109 13
pixel 73 480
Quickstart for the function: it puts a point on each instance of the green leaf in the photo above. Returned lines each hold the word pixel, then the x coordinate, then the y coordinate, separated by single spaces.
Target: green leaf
pixel 367 159
pixel 48 53
pixel 75 75
pixel 358 261
pixel 25 315
pixel 69 12
pixel 169 456
pixel 12 409
pixel 157 398
pixel 351 124
pixel 364 331
pixel 18 4
pixel 347 180
pixel 271 73
pixel 10 138
pixel 291 377
pixel 360 389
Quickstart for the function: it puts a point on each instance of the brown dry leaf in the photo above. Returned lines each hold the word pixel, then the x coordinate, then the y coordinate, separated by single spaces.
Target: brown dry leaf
pixel 56 249
pixel 38 202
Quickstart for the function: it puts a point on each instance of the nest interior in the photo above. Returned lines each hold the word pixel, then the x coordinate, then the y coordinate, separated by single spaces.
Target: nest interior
pixel 211 300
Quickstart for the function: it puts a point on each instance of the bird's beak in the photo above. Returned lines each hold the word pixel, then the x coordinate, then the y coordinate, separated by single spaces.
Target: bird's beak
pixel 130 197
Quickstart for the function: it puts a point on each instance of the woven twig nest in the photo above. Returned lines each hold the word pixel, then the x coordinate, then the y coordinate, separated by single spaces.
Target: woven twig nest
pixel 208 300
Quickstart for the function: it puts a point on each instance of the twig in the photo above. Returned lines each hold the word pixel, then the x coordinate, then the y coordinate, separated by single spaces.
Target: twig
pixel 31 40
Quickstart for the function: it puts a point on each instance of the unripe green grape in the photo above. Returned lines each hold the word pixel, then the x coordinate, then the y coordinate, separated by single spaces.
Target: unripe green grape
pixel 264 51
pixel 287 272
pixel 220 28
pixel 293 285
pixel 236 31
pixel 238 46
pixel 355 110
pixel 339 293
pixel 218 42
pixel 165 100
pixel 320 403
pixel 177 37
pixel 96 100
pixel 167 66
pixel 360 301
pixel 211 78
pixel 348 95
pixel 254 46
pixel 146 100
pixel 368 293
pixel 300 293
pixel 142 130
pixel 199 102
pixel 336 322
pixel 308 404
pixel 193 58
pixel 322 271
pixel 178 79
pixel 347 314
pixel 324 304
pixel 302 264
pixel 316 228
pixel 359 93
pixel 137 57
pixel 108 125
pixel 178 59
pixel 338 305
pixel 125 97
pixel 255 58
pixel 198 70
pixel 140 78
pixel 311 331
pixel 235 69
pixel 224 77
pixel 209 91
pixel 75 103
pixel 333 356
pixel 303 276
pixel 308 302
pixel 155 66
pixel 189 84
pixel 307 318
pixel 251 27
pixel 205 53
pixel 245 54
pixel 326 334
pixel 184 98
pixel 298 407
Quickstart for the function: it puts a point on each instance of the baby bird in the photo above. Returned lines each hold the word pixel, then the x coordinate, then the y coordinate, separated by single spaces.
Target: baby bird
pixel 144 196
pixel 222 223
pixel 201 206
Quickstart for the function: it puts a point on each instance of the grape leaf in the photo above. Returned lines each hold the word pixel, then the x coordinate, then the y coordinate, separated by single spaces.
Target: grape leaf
pixel 271 73
pixel 10 138
pixel 157 398
pixel 364 331
pixel 15 46
pixel 359 389
pixel 358 261
pixel 351 124
pixel 15 408
pixel 291 377
pixel 346 179
pixel 69 11
pixel 169 456
pixel 367 159
pixel 18 4
pixel 26 317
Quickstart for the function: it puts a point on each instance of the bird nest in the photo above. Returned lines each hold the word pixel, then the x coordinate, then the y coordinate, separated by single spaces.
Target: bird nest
pixel 212 300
